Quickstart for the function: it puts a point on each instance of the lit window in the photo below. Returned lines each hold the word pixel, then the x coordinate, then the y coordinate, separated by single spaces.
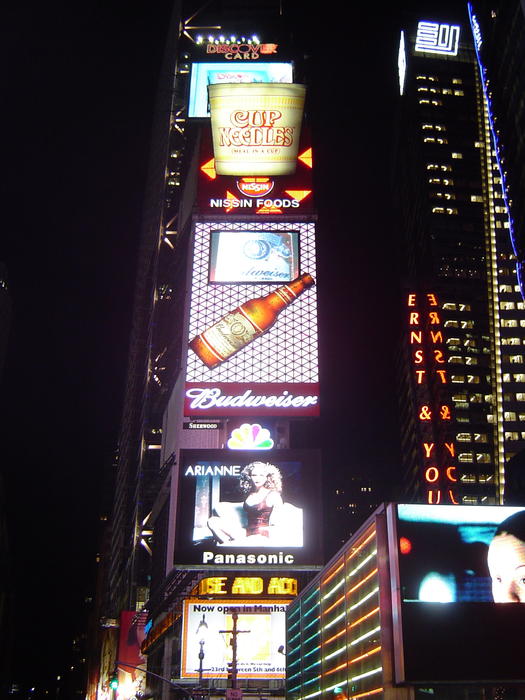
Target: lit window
pixel 509 415
pixel 463 437
pixel 511 436
pixel 468 478
pixel 519 377
pixel 482 457
pixel 459 93
pixel 509 323
pixel 466 457
pixel 480 437
pixel 456 360
pixel 476 198
pixel 457 81
pixel 457 156
pixel 473 379
pixel 457 379
pixel 471 361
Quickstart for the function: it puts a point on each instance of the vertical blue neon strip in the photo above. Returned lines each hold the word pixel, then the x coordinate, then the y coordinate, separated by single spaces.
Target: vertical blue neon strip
pixel 482 72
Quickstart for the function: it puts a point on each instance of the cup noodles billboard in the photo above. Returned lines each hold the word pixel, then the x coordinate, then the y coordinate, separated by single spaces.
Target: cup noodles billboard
pixel 262 632
pixel 259 195
pixel 252 344
pixel 458 593
pixel 256 127
pixel 248 509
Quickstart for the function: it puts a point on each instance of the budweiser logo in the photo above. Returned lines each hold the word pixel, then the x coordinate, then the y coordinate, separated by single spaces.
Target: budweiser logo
pixel 255 186
pixel 206 398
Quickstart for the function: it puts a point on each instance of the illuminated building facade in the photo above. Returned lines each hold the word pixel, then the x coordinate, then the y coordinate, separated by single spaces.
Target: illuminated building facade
pixel 223 366
pixel 462 388
pixel 334 630
pixel 403 609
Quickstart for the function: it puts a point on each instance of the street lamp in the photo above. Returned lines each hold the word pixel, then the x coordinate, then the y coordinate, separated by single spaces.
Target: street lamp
pixel 202 631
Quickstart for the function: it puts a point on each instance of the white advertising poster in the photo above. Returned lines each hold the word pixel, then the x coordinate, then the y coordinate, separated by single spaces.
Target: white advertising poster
pixel 261 637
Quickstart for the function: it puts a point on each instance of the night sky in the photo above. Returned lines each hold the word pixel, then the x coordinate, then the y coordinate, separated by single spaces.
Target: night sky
pixel 79 83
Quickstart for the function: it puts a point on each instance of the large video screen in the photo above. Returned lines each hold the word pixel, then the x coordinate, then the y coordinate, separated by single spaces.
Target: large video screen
pixel 204 74
pixel 262 633
pixel 253 343
pixel 248 508
pixel 254 256
pixel 460 591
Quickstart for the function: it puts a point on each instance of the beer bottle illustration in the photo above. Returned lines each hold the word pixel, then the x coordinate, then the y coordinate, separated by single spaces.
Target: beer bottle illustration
pixel 247 322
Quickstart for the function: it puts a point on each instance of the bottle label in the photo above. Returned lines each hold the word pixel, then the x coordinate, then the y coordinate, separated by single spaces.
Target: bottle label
pixel 230 334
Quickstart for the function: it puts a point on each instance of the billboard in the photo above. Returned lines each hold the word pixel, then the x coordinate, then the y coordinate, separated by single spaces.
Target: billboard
pixel 131 662
pixel 247 509
pixel 213 73
pixel 262 632
pixel 458 582
pixel 259 195
pixel 252 345
pixel 256 127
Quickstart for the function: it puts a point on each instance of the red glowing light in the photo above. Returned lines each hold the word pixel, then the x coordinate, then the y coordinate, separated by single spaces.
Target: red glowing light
pixel 405 545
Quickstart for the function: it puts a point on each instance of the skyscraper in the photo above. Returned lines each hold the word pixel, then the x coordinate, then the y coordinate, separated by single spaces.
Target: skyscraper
pixel 216 497
pixel 461 362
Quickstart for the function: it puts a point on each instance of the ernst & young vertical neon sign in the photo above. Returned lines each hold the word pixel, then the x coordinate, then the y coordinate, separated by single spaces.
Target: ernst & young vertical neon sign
pixel 434 414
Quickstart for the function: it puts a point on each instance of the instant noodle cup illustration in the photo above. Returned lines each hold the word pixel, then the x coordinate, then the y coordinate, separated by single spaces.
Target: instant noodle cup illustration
pixel 256 127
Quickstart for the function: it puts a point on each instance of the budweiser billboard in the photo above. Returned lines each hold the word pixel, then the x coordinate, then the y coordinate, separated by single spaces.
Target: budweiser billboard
pixel 252 345
pixel 256 127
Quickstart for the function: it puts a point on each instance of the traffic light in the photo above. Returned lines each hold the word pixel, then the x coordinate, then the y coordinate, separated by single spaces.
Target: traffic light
pixel 113 683
pixel 231 670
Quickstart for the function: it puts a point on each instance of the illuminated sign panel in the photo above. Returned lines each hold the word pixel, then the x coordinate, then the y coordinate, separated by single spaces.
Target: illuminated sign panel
pixel 433 37
pixel 262 631
pixel 256 127
pixel 260 195
pixel 402 63
pixel 204 74
pixel 459 592
pixel 247 585
pixel 254 256
pixel 253 346
pixel 249 510
pixel 440 476
pixel 132 669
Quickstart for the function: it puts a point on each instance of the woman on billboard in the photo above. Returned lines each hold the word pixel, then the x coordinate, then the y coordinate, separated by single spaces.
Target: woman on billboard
pixel 506 560
pixel 261 482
